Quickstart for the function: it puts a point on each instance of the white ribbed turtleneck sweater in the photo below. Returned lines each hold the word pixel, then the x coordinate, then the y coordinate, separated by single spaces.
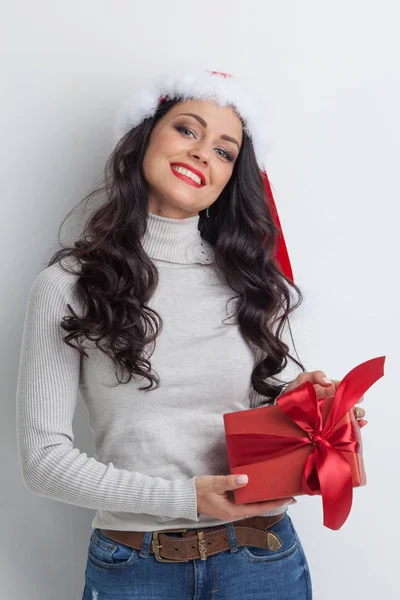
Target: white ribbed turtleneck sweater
pixel 148 446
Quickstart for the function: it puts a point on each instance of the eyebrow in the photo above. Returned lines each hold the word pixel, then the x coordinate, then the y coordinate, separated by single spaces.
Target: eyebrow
pixel 202 122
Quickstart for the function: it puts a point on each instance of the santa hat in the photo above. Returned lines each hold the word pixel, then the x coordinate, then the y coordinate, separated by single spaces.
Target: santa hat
pixel 224 89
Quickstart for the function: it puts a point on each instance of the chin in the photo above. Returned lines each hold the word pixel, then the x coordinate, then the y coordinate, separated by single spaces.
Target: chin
pixel 187 211
pixel 169 204
pixel 178 198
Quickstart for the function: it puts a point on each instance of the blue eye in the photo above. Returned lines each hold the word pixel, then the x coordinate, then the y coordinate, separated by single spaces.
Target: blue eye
pixel 228 155
pixel 183 129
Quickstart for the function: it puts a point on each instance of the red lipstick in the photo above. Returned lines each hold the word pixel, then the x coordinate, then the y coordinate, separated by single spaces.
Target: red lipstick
pixel 190 168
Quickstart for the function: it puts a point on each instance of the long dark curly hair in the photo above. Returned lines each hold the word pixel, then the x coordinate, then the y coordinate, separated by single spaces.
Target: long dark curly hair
pixel 116 278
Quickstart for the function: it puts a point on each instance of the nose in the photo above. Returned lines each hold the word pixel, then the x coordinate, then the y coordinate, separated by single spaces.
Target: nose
pixel 201 153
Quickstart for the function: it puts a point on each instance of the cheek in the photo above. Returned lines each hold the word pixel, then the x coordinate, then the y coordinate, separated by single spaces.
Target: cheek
pixel 167 144
pixel 147 162
pixel 151 161
pixel 163 149
pixel 218 183
pixel 221 178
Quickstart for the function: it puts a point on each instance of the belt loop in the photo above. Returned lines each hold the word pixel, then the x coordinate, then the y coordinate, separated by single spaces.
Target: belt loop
pixel 147 537
pixel 232 537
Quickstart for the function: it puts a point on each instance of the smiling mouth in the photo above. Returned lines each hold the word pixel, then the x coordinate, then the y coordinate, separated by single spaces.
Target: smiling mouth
pixel 186 175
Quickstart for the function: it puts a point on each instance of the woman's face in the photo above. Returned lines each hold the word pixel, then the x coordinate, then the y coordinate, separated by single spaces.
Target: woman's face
pixel 200 141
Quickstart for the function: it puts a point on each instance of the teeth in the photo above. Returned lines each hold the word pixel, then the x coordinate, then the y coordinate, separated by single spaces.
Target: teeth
pixel 187 173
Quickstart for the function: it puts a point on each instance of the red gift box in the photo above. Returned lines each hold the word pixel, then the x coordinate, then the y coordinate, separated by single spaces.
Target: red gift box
pixel 303 445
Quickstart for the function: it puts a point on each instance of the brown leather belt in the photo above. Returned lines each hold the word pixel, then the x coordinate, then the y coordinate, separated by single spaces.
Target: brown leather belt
pixel 203 542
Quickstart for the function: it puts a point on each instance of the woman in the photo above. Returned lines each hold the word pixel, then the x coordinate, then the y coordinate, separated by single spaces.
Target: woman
pixel 185 222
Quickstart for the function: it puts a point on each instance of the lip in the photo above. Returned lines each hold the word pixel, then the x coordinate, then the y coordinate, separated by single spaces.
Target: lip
pixel 195 171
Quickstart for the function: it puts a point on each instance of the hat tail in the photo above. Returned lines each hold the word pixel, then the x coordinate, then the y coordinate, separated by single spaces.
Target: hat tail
pixel 282 256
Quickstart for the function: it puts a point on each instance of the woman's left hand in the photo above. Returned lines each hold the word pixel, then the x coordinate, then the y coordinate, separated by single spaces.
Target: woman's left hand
pixel 325 389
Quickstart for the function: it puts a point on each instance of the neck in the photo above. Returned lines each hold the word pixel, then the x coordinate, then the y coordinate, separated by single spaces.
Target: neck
pixel 176 240
pixel 170 212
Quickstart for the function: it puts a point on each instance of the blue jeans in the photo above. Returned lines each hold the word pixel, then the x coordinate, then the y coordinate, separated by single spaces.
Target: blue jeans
pixel 117 572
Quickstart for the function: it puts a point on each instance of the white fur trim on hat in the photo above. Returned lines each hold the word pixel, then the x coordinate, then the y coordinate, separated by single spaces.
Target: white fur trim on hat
pixel 196 83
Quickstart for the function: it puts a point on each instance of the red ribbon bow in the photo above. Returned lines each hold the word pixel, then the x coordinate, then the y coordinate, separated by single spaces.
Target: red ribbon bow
pixel 326 470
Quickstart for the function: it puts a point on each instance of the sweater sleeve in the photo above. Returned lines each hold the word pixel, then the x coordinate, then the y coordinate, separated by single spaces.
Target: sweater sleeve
pixel 47 389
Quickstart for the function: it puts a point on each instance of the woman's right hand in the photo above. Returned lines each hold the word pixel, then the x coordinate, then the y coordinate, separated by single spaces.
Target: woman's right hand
pixel 213 500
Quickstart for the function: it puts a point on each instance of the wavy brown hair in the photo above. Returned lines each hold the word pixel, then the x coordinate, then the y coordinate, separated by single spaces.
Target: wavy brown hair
pixel 116 278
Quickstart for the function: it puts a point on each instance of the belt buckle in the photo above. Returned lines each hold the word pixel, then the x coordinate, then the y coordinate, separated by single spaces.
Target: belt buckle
pixel 155 545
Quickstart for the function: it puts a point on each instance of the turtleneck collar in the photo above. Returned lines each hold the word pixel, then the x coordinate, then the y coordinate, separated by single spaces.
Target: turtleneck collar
pixel 176 240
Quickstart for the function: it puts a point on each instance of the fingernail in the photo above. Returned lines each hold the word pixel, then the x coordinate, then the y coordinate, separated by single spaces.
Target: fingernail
pixel 290 501
pixel 242 479
pixel 326 380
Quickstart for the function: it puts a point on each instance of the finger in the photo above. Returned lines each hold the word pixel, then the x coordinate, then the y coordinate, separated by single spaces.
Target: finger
pixel 323 392
pixel 362 422
pixel 326 391
pixel 359 413
pixel 314 377
pixel 224 483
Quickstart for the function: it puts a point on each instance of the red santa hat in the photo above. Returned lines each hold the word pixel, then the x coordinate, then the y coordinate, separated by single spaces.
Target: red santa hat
pixel 224 89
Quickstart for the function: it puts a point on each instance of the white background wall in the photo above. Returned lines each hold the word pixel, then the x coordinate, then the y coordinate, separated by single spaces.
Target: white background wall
pixel 330 74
